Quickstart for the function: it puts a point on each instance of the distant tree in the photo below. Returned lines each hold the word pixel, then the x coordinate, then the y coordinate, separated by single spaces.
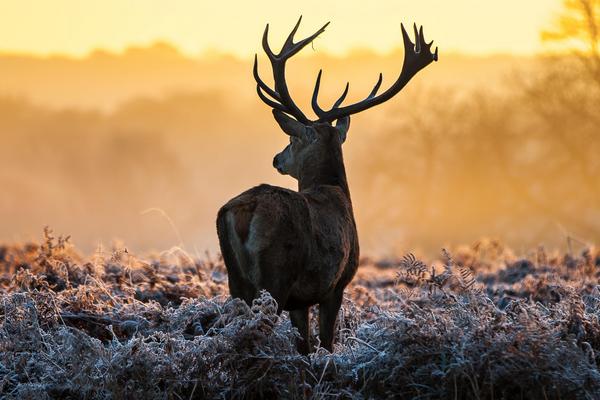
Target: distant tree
pixel 525 160
pixel 562 136
pixel 578 26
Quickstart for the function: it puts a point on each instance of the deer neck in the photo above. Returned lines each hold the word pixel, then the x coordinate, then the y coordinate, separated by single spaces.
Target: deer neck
pixel 324 169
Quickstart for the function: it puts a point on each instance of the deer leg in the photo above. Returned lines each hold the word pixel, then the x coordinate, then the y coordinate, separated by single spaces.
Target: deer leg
pixel 328 311
pixel 278 289
pixel 300 320
pixel 240 289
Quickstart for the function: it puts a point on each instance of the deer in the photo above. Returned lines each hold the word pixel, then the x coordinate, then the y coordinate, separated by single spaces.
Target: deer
pixel 302 246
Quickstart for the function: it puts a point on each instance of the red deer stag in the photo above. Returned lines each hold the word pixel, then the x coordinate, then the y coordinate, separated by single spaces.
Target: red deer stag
pixel 302 246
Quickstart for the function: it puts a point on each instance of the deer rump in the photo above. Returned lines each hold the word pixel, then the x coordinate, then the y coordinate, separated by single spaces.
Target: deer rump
pixel 297 246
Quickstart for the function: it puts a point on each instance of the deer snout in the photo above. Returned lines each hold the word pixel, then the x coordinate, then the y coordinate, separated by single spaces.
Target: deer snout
pixel 278 163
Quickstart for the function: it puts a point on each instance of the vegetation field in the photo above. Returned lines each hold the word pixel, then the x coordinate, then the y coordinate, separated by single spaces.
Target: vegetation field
pixel 480 322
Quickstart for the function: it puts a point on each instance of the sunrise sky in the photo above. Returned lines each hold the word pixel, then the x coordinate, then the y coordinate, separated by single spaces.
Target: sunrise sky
pixel 76 27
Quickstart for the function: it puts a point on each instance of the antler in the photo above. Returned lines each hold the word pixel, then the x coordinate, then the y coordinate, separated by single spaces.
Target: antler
pixel 280 96
pixel 416 57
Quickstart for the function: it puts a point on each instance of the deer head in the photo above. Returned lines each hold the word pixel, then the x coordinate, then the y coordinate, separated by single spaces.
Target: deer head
pixel 313 140
pixel 308 143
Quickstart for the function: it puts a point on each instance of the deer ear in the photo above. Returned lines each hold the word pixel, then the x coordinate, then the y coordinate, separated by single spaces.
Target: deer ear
pixel 342 125
pixel 288 124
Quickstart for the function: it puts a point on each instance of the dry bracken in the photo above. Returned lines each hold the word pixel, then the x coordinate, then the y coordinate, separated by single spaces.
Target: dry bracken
pixel 475 324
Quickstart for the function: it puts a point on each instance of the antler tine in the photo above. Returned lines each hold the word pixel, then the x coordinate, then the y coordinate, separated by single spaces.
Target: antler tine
pixel 342 97
pixel 315 104
pixel 321 113
pixel 260 83
pixel 290 39
pixel 376 87
pixel 280 95
pixel 428 45
pixel 293 48
pixel 265 44
pixel 270 102
pixel 406 39
pixel 422 37
pixel 289 48
pixel 417 39
pixel 416 57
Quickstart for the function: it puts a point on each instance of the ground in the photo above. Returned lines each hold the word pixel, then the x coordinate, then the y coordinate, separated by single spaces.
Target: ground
pixel 478 323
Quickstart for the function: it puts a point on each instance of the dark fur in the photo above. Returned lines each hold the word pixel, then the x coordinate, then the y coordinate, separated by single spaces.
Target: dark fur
pixel 304 246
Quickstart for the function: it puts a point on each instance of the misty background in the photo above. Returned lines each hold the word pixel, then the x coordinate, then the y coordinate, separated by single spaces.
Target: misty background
pixel 144 146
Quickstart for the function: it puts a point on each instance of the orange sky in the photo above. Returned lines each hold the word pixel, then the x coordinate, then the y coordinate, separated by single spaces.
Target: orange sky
pixel 76 27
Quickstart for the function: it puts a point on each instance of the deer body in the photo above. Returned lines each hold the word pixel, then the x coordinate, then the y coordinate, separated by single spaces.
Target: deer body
pixel 302 246
pixel 309 251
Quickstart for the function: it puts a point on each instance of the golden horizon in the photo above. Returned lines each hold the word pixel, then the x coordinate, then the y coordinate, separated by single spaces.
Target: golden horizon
pixel 215 53
pixel 70 28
